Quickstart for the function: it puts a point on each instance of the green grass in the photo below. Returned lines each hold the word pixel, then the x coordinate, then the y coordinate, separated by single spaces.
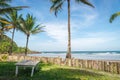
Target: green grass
pixel 52 72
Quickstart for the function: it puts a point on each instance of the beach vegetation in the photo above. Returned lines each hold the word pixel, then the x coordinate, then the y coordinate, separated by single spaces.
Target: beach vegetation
pixel 57 6
pixel 4 57
pixel 5 43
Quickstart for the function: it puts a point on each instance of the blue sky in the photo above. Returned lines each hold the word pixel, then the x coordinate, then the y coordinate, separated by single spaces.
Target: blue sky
pixel 90 27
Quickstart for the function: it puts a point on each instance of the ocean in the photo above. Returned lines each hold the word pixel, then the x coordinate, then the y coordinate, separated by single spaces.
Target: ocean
pixel 89 55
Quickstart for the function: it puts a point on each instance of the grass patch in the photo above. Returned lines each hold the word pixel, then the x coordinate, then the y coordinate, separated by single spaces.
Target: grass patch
pixel 51 72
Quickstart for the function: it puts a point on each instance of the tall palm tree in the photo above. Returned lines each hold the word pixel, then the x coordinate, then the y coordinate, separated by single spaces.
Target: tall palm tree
pixel 27 26
pixel 11 20
pixel 114 16
pixel 6 8
pixel 57 6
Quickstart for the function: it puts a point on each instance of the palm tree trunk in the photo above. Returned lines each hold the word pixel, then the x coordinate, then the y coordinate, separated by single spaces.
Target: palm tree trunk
pixel 1 33
pixel 69 32
pixel 1 36
pixel 11 46
pixel 26 49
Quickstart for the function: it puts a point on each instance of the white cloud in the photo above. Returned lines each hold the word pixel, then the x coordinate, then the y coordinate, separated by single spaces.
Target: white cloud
pixel 85 20
pixel 83 16
pixel 48 46
pixel 81 8
pixel 88 43
pixel 77 44
pixel 57 31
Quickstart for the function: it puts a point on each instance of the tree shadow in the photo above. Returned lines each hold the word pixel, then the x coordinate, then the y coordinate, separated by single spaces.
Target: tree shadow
pixel 7 69
pixel 67 74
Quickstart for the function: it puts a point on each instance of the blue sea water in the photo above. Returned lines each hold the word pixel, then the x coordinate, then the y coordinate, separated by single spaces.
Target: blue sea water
pixel 89 55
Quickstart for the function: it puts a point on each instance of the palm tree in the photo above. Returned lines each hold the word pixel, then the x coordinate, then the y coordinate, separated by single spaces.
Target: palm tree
pixel 11 20
pixel 114 16
pixel 27 26
pixel 6 8
pixel 57 6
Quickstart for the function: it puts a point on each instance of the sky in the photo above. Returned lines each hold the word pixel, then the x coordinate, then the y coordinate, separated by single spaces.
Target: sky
pixel 90 27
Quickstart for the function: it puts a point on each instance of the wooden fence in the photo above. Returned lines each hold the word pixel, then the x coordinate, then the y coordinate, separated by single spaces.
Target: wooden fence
pixel 101 65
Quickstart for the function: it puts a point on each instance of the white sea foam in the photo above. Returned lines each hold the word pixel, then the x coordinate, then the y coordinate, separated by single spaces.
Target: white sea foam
pixel 86 55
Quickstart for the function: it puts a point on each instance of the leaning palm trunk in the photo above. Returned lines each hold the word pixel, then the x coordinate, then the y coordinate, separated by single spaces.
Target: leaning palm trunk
pixel 26 49
pixel 68 55
pixel 11 46
pixel 1 34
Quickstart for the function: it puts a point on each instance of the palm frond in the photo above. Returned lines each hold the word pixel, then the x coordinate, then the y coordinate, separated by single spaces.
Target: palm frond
pixel 9 27
pixel 37 29
pixel 8 18
pixel 20 16
pixel 114 16
pixel 6 8
pixel 10 9
pixel 4 3
pixel 56 6
pixel 14 15
pixel 30 21
pixel 5 22
pixel 2 25
pixel 5 0
pixel 22 25
pixel 19 7
pixel 85 2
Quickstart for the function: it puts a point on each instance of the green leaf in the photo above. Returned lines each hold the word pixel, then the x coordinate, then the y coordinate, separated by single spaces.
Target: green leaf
pixel 114 16
pixel 85 2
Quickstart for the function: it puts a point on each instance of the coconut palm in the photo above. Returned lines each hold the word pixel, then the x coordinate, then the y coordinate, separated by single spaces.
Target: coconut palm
pixel 11 20
pixel 27 26
pixel 114 16
pixel 6 8
pixel 57 6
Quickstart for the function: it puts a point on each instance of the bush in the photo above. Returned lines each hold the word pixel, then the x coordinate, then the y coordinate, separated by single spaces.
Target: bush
pixel 4 46
pixel 4 57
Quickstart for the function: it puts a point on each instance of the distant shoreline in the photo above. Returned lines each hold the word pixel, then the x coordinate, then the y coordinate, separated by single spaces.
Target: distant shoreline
pixel 92 55
pixel 81 51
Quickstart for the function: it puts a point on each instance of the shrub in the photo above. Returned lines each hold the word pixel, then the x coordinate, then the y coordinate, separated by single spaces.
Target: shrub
pixel 4 57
